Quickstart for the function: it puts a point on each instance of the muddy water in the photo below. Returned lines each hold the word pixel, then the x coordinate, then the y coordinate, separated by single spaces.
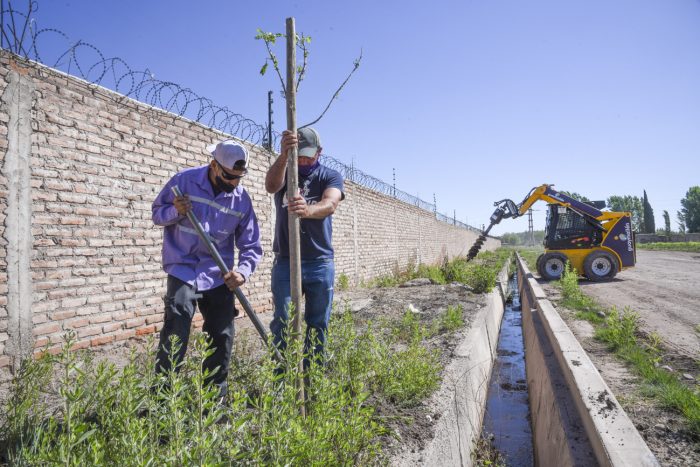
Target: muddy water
pixel 507 417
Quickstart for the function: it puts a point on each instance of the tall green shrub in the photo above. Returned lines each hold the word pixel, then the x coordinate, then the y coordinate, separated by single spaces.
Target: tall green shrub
pixel 667 223
pixel 691 209
pixel 649 222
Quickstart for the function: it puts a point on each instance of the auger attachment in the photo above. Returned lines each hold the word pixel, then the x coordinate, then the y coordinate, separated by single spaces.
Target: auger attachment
pixel 506 208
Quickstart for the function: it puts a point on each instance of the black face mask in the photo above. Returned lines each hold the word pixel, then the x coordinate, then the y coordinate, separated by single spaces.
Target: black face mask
pixel 223 186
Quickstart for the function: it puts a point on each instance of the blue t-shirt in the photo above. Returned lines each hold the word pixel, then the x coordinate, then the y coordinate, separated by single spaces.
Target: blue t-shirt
pixel 315 234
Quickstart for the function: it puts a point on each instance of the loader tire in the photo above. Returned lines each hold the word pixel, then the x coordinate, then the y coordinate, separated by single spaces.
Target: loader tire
pixel 600 266
pixel 553 265
pixel 538 264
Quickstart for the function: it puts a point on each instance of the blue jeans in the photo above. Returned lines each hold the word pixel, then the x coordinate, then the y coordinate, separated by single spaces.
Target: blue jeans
pixel 317 277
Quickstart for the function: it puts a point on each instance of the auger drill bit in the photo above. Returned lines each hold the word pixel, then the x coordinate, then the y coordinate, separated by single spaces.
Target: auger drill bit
pixel 474 250
pixel 506 208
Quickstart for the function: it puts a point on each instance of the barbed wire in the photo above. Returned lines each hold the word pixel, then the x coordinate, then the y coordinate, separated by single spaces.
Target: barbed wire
pixel 21 36
pixel 350 172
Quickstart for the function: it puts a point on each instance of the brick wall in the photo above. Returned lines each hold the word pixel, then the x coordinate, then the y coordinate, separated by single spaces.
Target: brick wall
pixel 97 161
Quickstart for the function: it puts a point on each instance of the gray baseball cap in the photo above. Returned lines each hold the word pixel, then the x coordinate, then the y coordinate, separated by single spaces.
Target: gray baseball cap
pixel 229 153
pixel 309 142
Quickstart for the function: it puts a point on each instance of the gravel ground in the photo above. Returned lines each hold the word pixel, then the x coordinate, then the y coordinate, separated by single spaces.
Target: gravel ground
pixel 664 288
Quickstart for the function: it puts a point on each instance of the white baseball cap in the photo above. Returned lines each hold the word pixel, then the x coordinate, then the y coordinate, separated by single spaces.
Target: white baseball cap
pixel 229 153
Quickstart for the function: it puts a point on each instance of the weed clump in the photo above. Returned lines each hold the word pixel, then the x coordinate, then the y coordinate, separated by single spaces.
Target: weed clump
pixel 453 318
pixel 409 328
pixel 343 282
pixel 480 274
pixel 574 299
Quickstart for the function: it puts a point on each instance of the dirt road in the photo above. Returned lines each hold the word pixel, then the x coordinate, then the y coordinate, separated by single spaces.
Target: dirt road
pixel 664 288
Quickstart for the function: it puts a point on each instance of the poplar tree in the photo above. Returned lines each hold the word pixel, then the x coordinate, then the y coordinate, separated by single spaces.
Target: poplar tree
pixel 680 221
pixel 649 224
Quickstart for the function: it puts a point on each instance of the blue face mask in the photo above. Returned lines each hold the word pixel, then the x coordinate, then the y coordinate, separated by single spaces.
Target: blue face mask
pixel 306 170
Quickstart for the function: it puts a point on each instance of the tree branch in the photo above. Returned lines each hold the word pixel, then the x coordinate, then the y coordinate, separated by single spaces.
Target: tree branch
pixel 337 92
pixel 301 43
pixel 270 38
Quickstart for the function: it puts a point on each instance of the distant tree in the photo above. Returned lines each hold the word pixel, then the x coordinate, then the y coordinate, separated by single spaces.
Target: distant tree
pixel 632 204
pixel 681 221
pixel 649 223
pixel 691 209
pixel 575 196
pixel 510 239
pixel 522 238
pixel 667 223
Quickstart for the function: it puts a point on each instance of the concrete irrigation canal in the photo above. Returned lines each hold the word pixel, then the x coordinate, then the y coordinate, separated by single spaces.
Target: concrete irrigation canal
pixel 521 378
pixel 507 418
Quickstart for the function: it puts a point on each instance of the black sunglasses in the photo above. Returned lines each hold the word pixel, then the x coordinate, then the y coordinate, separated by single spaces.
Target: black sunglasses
pixel 229 176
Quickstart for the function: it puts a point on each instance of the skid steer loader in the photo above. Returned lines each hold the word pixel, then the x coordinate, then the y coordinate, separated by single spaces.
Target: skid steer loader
pixel 598 244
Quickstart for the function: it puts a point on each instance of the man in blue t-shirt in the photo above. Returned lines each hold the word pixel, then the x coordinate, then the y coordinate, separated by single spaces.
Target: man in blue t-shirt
pixel 320 192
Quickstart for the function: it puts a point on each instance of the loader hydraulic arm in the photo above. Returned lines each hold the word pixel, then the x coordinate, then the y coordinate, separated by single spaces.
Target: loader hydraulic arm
pixel 508 209
pixel 550 195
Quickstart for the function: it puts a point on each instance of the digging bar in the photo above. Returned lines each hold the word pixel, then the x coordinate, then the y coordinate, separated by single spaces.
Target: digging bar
pixel 224 270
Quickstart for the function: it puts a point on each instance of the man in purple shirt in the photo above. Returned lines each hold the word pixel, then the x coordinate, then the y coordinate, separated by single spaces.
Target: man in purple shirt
pixel 225 210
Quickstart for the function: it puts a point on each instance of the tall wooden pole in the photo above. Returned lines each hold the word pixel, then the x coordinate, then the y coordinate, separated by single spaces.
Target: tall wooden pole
pixel 293 189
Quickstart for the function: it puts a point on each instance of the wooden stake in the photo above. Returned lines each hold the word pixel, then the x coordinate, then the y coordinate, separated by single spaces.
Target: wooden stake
pixel 292 189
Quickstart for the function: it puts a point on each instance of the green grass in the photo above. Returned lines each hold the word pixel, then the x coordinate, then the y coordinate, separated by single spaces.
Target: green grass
pixel 101 415
pixel 434 273
pixel 385 281
pixel 480 274
pixel 620 332
pixel 343 282
pixel 530 256
pixel 409 328
pixel 453 319
pixel 408 376
pixel 572 297
pixel 671 246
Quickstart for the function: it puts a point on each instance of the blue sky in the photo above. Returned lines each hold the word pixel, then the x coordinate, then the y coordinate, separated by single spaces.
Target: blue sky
pixel 473 101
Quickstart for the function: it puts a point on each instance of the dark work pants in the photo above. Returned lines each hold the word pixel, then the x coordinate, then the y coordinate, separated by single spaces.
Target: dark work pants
pixel 216 306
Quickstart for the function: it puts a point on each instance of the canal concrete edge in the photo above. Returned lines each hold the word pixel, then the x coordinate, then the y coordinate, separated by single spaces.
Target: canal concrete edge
pixel 611 435
pixel 462 394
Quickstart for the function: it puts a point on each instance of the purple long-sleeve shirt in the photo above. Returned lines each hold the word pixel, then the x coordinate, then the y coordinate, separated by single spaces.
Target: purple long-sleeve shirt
pixel 227 218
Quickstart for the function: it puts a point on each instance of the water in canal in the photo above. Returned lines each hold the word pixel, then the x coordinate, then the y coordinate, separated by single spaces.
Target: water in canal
pixel 507 416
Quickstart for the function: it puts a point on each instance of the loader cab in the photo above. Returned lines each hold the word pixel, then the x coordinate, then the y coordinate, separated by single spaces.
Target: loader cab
pixel 566 229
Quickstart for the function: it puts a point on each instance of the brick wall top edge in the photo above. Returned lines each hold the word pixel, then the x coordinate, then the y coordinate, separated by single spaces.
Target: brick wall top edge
pixel 125 100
